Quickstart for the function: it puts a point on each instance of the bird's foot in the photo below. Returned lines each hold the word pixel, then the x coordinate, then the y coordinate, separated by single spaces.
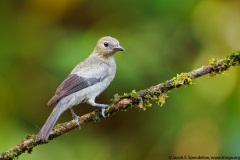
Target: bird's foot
pixel 76 118
pixel 103 114
pixel 103 106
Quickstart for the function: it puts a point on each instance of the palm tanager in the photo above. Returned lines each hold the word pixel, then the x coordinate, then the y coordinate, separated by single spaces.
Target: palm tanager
pixel 86 81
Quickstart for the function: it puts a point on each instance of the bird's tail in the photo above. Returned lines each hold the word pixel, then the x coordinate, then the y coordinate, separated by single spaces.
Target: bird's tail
pixel 49 124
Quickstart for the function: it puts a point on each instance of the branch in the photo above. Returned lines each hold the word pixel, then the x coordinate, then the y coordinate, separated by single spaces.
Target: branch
pixel 141 100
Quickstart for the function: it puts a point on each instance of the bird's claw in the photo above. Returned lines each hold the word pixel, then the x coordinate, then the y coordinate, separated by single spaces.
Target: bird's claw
pixel 77 121
pixel 76 118
pixel 103 106
pixel 103 110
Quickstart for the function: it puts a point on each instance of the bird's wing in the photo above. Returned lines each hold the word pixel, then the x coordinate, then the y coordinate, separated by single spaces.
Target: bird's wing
pixel 75 82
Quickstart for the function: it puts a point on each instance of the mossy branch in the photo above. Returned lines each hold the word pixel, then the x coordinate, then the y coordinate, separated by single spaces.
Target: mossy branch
pixel 141 100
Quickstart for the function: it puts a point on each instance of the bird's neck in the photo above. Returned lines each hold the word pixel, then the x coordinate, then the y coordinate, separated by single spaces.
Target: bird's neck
pixel 102 55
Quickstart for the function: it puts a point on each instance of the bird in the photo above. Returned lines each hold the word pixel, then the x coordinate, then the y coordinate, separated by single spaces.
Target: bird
pixel 86 81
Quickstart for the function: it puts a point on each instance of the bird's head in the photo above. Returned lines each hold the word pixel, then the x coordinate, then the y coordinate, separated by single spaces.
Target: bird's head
pixel 107 46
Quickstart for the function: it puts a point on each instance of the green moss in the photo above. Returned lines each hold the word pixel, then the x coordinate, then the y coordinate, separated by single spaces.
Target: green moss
pixel 181 79
pixel 146 104
pixel 116 98
pixel 234 58
pixel 143 104
pixel 220 66
pixel 161 99
pixel 57 125
pixel 133 93
pixel 29 136
pixel 11 155
pixel 212 61
pixel 96 118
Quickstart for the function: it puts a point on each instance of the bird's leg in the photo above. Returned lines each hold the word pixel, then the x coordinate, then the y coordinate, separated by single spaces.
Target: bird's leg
pixel 103 106
pixel 75 117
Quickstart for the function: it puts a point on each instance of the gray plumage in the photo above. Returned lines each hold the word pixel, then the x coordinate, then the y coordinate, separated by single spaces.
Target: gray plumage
pixel 86 81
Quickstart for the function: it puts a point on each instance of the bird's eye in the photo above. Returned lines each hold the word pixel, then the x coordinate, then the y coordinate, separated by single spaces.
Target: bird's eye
pixel 105 44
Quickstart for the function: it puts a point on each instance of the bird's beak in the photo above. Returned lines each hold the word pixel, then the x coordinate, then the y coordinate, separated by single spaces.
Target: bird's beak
pixel 118 48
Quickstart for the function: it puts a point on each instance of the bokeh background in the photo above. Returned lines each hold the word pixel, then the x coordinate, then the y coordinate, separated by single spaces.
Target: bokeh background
pixel 41 41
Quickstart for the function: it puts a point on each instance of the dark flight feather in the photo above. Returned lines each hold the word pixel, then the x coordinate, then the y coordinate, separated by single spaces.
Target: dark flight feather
pixel 72 84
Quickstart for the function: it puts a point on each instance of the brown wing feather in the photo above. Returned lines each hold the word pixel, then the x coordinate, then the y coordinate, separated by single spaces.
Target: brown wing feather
pixel 71 84
pixel 65 84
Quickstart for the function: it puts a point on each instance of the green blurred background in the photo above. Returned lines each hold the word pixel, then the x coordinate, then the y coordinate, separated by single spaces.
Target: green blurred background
pixel 41 41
